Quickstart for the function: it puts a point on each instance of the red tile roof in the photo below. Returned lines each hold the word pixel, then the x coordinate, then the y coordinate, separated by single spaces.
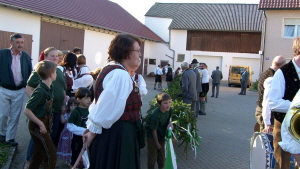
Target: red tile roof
pixel 279 4
pixel 99 13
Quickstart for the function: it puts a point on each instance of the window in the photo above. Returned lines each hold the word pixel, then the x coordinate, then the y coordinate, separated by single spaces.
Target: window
pixel 180 57
pixel 152 61
pixel 291 28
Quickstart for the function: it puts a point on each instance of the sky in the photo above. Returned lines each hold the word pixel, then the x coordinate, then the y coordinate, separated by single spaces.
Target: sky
pixel 138 8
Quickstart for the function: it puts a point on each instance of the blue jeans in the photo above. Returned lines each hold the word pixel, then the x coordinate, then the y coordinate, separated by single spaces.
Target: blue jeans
pixel 30 150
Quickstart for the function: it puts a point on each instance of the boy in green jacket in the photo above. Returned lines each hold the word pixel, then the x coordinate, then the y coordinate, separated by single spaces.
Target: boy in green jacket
pixel 38 110
pixel 156 128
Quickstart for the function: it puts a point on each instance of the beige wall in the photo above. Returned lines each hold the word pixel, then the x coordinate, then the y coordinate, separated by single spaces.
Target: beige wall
pixel 275 44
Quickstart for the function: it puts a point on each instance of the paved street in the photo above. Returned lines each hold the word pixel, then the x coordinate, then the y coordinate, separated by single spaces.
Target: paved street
pixel 225 130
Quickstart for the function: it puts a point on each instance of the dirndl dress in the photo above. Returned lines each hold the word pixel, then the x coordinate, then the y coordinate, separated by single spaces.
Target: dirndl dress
pixel 64 145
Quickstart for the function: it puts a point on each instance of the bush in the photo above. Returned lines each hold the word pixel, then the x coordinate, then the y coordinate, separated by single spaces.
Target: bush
pixel 4 152
pixel 185 124
pixel 254 85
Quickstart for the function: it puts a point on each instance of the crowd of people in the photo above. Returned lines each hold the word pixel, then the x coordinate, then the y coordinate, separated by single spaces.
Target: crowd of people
pixel 68 103
pixel 194 83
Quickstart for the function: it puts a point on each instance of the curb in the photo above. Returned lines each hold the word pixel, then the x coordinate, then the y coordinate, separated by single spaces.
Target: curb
pixel 12 152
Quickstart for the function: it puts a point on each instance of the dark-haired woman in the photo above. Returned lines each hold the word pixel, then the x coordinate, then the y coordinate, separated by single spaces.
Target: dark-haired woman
pixel 114 120
pixel 68 67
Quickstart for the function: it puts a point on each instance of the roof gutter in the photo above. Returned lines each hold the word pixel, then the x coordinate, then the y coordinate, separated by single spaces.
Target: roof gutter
pixel 37 12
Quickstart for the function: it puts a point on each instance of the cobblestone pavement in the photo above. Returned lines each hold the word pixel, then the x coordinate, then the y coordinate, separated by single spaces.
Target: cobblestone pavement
pixel 226 131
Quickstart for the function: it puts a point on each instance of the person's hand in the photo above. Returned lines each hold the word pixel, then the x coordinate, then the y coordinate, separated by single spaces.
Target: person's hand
pixel 268 129
pixel 171 125
pixel 88 137
pixel 43 129
pixel 63 110
pixel 158 146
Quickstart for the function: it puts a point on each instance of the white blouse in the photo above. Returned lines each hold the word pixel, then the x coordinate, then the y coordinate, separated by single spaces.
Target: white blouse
pixel 84 81
pixel 266 111
pixel 117 86
pixel 141 84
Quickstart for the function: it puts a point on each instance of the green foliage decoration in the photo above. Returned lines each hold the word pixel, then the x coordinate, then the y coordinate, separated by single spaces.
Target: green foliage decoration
pixel 185 124
pixel 254 85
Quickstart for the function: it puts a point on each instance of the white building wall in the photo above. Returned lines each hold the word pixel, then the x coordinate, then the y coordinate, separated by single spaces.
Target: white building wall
pixel 178 44
pixel 13 20
pixel 160 26
pixel 227 59
pixel 96 47
pixel 158 51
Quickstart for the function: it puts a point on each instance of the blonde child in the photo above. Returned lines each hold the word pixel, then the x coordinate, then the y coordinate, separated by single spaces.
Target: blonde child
pixel 64 146
pixel 39 112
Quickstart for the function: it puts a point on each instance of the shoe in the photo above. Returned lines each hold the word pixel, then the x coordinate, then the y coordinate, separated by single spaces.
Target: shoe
pixel 154 88
pixel 212 96
pixel 2 139
pixel 202 113
pixel 216 96
pixel 12 142
pixel 240 94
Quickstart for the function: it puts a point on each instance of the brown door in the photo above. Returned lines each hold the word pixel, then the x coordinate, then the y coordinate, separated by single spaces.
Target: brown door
pixel 5 39
pixel 62 37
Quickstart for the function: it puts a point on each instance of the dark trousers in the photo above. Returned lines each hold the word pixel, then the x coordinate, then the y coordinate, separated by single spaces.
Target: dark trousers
pixel 243 87
pixel 57 127
pixel 282 157
pixel 44 151
pixel 217 86
pixel 76 147
pixel 154 154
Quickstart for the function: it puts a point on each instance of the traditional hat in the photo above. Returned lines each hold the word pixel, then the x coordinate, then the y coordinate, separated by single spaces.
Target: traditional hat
pixel 194 61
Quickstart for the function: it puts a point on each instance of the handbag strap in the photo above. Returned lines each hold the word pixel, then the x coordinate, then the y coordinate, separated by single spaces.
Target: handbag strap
pixel 84 147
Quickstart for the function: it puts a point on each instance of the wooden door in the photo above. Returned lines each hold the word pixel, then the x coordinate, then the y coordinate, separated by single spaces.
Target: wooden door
pixel 61 37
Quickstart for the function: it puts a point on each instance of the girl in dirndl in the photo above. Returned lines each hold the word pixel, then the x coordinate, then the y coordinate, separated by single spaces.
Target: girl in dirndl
pixel 64 146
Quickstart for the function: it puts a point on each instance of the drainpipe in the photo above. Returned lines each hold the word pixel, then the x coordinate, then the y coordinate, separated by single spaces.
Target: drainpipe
pixel 262 52
pixel 171 50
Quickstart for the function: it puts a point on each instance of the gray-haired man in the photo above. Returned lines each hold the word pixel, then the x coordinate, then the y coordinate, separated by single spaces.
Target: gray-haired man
pixel 188 87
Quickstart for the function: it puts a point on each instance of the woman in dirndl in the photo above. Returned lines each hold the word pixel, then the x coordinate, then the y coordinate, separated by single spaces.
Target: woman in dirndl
pixel 114 123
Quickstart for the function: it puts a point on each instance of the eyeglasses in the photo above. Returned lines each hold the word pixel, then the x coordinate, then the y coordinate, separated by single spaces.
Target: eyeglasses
pixel 137 51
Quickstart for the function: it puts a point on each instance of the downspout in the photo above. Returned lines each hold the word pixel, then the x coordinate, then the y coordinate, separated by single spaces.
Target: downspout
pixel 171 50
pixel 263 42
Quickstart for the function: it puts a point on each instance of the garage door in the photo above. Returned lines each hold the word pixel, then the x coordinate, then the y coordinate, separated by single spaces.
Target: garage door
pixel 254 63
pixel 211 61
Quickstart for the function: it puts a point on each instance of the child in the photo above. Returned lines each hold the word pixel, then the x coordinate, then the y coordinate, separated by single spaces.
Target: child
pixel 156 128
pixel 64 146
pixel 39 111
pixel 76 123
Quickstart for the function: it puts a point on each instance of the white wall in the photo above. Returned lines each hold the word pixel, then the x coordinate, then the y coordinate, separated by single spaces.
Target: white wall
pixel 160 26
pixel 245 59
pixel 158 51
pixel 13 20
pixel 96 47
pixel 178 44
